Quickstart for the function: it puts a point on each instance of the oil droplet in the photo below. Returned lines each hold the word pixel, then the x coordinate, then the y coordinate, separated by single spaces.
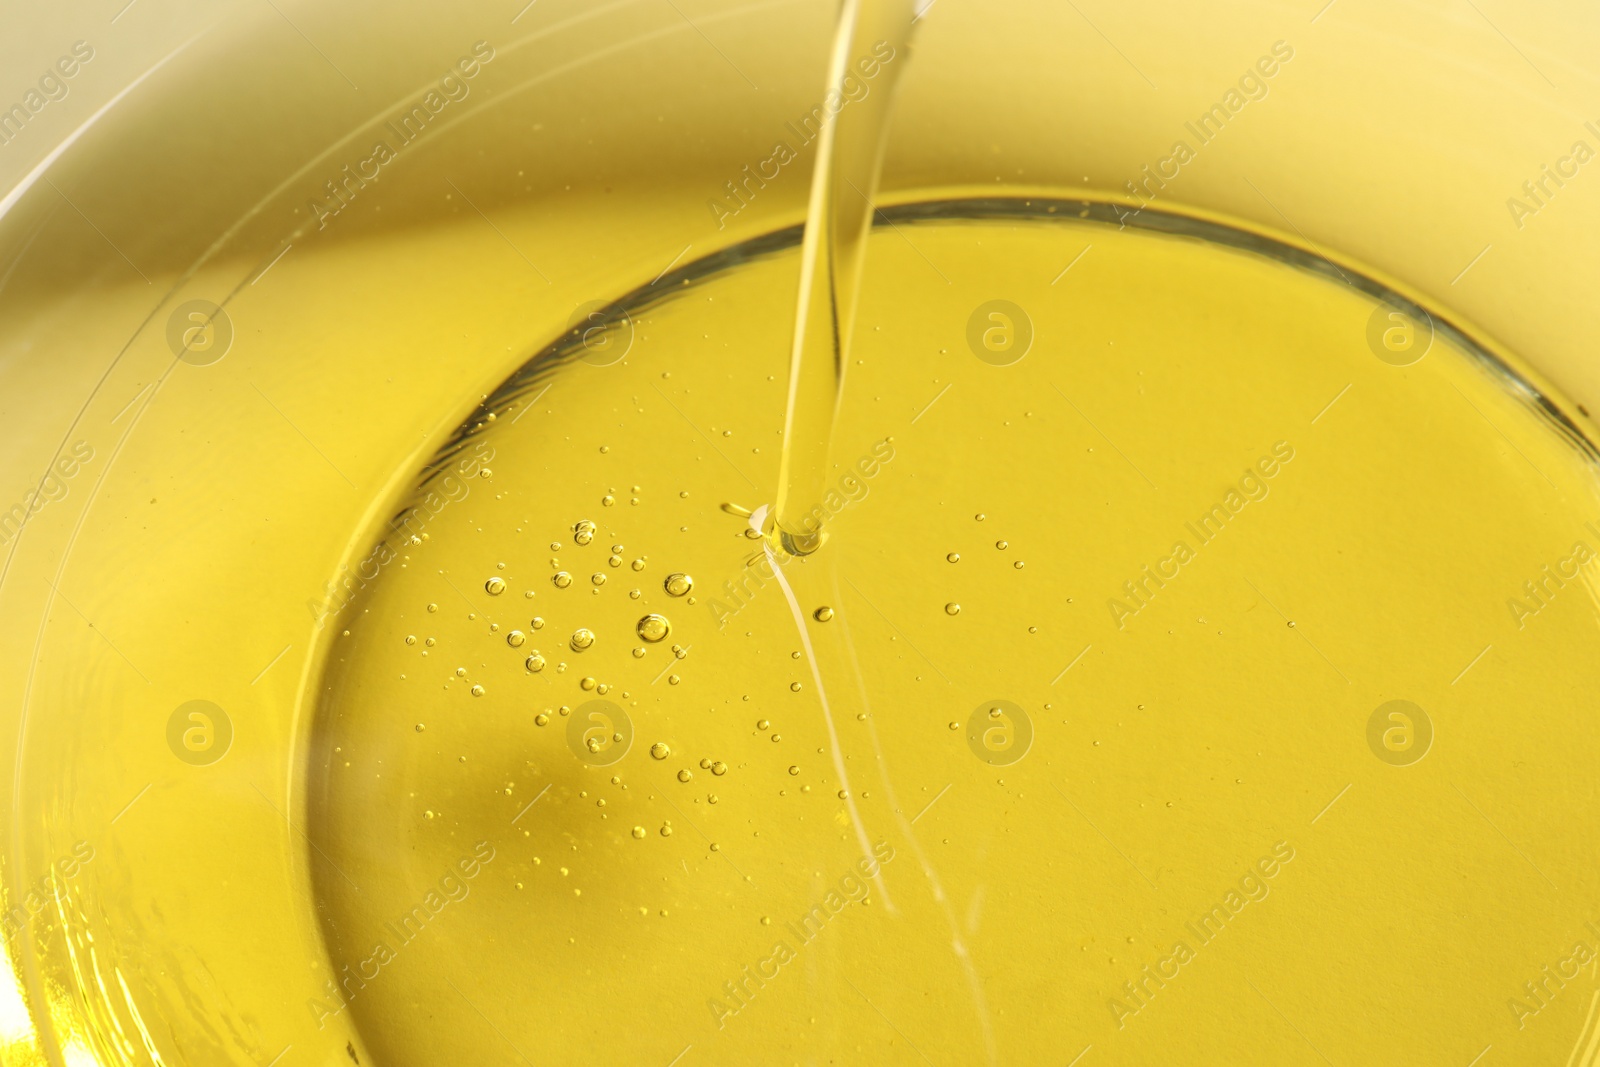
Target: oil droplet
pixel 582 639
pixel 537 623
pixel 955 726
pixel 653 627
pixel 638 832
pixel 776 738
pixel 433 607
pixel 794 770
pixel 763 724
pixel 794 687
pixel 420 727
pixel 1018 564
pixel 477 690
pixel 822 614
pixel 666 831
pixel 495 586
pixel 555 546
pixel 597 578
pixel 844 795
pixel 430 642
pixel 678 584
pixel 719 768
pixel 659 750
pixel 607 500
pixel 953 557
pixel 541 718
pixel 638 653
pixel 952 608
pixel 1001 545
pixel 515 638
pixel 711 798
pixel 978 516
pixel 583 532
pixel 705 765
pixel 685 775
pixel 461 672
pixel 411 639
pixel 673 679
pixel 561 579
pixel 586 683
pixel 615 561
pixel 637 564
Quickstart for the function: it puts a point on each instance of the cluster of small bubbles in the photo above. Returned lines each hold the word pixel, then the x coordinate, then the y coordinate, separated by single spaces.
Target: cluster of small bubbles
pixel 586 683
pixel 822 614
pixel 653 627
pixel 495 586
pixel 561 579
pixel 515 638
pixel 582 532
pixel 679 652
pixel 582 639
pixel 685 775
pixel 660 750
pixel 952 608
pixel 597 578
pixel 537 623
pixel 719 768
pixel 534 663
pixel 476 690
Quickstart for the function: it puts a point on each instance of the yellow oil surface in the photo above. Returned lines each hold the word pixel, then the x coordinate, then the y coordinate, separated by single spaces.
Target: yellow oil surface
pixel 1204 652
